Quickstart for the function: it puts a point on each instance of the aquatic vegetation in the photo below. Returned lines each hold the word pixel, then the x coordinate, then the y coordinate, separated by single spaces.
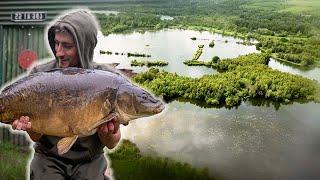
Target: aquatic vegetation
pixel 242 78
pixel 197 63
pixel 137 55
pixel 105 52
pixel 211 44
pixel 198 53
pixel 215 59
pixel 148 63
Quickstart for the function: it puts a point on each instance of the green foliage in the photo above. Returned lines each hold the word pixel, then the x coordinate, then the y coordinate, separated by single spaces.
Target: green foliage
pixel 198 53
pixel 215 59
pixel 302 51
pixel 302 58
pixel 231 64
pixel 127 22
pixel 12 162
pixel 127 163
pixel 148 63
pixel 245 60
pixel 245 77
pixel 197 63
pixel 211 44
pixel 105 52
pixel 194 61
pixel 138 55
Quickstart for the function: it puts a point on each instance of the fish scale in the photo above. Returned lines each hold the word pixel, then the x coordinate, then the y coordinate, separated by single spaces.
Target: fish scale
pixel 73 102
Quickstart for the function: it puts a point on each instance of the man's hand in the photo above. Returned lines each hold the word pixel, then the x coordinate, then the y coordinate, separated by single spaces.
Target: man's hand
pixel 22 123
pixel 109 133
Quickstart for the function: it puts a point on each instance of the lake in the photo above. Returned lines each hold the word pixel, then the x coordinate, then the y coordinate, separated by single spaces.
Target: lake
pixel 256 140
pixel 173 46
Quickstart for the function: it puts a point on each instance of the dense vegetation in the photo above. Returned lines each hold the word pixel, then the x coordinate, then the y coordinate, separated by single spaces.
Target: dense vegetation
pixel 128 163
pixel 279 26
pixel 245 77
pixel 127 22
pixel 231 64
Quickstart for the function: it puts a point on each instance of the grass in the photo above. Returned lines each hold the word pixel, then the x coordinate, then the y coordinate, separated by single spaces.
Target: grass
pixel 12 162
pixel 128 163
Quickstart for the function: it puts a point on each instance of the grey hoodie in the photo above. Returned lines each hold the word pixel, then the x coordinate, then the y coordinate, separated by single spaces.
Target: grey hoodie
pixel 84 28
pixel 82 25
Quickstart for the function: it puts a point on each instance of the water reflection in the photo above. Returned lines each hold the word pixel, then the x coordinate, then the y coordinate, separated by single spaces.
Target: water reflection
pixel 249 142
pixel 163 17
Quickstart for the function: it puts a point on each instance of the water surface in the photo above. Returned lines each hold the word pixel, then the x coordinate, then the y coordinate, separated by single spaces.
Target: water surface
pixel 313 73
pixel 173 46
pixel 250 142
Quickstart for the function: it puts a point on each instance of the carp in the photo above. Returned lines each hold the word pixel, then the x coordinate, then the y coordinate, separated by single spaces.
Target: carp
pixel 73 102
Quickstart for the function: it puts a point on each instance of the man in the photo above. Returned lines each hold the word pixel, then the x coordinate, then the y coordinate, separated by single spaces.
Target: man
pixel 72 39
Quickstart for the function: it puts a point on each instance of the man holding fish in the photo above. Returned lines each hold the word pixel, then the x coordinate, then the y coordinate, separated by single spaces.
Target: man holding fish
pixel 72 39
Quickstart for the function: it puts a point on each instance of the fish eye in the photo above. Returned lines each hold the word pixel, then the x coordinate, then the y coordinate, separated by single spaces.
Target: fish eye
pixel 144 96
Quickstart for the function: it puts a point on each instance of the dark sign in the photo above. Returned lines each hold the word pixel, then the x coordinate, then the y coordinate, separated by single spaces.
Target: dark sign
pixel 28 16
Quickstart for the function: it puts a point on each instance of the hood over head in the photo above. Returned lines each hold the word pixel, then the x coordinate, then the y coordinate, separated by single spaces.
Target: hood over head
pixel 83 26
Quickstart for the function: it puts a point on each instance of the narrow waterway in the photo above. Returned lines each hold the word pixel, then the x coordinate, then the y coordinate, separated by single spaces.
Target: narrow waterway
pixel 313 73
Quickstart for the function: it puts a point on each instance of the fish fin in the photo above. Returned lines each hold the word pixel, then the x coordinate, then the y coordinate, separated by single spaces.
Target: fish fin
pixel 66 143
pixel 103 120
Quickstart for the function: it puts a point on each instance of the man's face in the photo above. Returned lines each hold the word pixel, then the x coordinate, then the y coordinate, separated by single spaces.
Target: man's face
pixel 66 50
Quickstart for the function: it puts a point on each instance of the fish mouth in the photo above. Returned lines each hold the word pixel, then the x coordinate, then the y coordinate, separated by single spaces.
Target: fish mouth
pixel 159 108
